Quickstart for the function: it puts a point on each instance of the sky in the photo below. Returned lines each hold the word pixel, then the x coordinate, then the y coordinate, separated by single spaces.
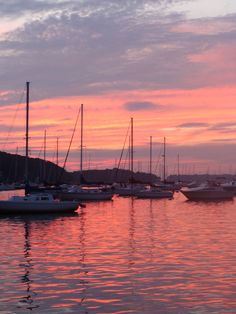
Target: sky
pixel 168 64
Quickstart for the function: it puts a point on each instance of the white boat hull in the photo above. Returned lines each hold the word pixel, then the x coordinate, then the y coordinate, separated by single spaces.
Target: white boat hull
pixel 208 195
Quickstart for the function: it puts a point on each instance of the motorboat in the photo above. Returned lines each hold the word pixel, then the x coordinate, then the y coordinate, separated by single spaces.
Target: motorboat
pixel 153 192
pixel 205 192
pixel 36 203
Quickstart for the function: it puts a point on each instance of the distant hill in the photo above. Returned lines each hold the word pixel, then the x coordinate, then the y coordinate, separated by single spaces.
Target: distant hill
pixel 12 168
pixel 199 178
pixel 109 176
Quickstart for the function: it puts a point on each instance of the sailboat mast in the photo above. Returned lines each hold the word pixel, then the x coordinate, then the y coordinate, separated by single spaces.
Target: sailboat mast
pixel 132 149
pixel 16 164
pixel 150 164
pixel 57 151
pixel 129 154
pixel 27 139
pixel 81 143
pixel 178 168
pixel 164 161
pixel 44 155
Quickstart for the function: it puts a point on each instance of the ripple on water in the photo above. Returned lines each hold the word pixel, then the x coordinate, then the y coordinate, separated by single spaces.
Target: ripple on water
pixel 125 256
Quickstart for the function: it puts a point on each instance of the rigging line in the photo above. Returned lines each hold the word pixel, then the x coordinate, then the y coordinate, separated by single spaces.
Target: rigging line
pixel 50 170
pixel 67 154
pixel 121 155
pixel 158 161
pixel 126 158
pixel 40 151
pixel 13 119
pixel 12 161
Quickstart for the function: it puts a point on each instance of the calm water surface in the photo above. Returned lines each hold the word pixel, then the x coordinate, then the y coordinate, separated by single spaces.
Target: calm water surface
pixel 124 256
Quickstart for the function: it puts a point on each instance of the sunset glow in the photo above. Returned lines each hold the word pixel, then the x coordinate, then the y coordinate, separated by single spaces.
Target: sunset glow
pixel 176 78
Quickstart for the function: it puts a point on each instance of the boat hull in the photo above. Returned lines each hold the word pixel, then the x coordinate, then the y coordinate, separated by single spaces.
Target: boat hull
pixel 208 195
pixel 127 192
pixel 77 196
pixel 11 207
pixel 154 194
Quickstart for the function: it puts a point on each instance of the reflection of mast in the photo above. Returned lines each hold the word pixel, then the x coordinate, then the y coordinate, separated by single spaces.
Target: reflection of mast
pixel 84 273
pixel 28 299
pixel 151 229
pixel 132 232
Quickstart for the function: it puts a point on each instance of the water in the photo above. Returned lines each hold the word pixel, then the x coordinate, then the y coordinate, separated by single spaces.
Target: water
pixel 125 256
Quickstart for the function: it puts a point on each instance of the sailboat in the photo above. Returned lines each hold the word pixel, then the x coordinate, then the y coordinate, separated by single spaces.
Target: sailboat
pixel 151 191
pixel 34 203
pixel 165 185
pixel 77 192
pixel 130 188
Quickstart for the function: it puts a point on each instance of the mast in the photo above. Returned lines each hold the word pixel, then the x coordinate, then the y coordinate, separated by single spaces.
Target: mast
pixel 67 154
pixel 150 164
pixel 44 155
pixel 57 162
pixel 27 140
pixel 16 165
pixel 81 143
pixel 132 151
pixel 178 167
pixel 129 154
pixel 57 151
pixel 164 161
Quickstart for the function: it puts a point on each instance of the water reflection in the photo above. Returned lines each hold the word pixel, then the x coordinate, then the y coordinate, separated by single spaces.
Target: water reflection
pixel 134 256
pixel 28 223
pixel 27 301
pixel 131 240
pixel 151 228
pixel 84 270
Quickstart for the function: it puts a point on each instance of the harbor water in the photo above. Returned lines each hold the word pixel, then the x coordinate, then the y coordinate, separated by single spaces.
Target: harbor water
pixel 121 256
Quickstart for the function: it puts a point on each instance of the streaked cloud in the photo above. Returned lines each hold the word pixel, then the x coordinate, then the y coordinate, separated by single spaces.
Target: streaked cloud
pixel 95 47
pixel 224 126
pixel 224 140
pixel 145 105
pixel 193 125
pixel 117 57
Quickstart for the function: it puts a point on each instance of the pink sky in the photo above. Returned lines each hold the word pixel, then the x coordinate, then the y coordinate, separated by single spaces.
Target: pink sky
pixel 173 74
